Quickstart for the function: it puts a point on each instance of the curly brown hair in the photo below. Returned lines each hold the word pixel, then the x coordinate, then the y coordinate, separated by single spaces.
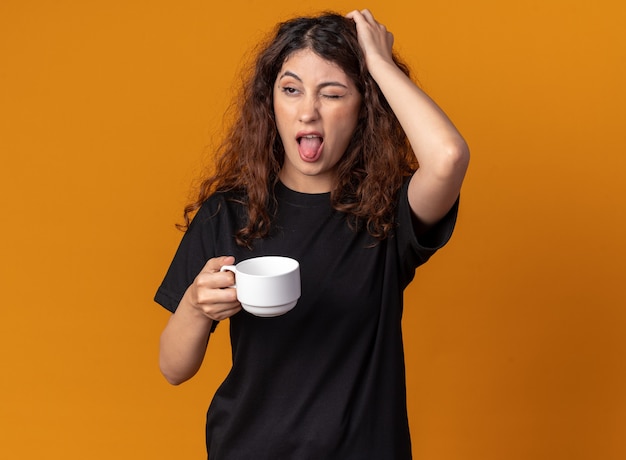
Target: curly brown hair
pixel 249 159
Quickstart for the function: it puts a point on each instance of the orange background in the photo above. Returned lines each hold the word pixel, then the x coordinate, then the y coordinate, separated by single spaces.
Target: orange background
pixel 515 332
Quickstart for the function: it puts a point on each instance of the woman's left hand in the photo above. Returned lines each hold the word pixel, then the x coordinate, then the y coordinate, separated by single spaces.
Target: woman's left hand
pixel 375 40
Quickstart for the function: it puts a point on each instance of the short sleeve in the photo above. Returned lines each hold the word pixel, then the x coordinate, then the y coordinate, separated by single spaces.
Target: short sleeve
pixel 194 251
pixel 413 250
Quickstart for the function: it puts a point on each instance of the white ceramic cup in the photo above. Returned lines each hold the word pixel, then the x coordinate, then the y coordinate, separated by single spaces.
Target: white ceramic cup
pixel 267 285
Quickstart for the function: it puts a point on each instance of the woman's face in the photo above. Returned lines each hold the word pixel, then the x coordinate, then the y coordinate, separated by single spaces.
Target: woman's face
pixel 317 109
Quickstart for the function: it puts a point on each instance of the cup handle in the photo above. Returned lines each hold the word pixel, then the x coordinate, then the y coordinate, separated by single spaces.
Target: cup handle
pixel 230 268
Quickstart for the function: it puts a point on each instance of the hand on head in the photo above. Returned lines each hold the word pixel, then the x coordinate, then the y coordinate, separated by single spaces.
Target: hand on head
pixel 375 40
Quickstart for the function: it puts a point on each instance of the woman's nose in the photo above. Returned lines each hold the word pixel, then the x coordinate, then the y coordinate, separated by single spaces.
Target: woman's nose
pixel 309 109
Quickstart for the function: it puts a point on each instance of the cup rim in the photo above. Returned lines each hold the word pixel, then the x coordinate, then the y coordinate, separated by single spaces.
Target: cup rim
pixel 291 265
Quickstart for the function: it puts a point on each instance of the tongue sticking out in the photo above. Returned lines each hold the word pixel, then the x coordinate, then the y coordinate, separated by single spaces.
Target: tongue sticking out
pixel 310 148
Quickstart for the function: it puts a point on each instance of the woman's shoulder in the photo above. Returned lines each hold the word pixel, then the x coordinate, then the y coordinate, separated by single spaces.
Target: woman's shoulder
pixel 219 202
pixel 220 197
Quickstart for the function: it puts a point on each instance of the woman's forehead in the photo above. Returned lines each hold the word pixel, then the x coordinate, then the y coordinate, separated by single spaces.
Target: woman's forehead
pixel 310 63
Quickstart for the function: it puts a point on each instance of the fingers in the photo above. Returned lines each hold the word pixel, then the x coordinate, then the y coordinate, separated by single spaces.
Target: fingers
pixel 362 15
pixel 210 277
pixel 214 265
pixel 368 16
pixel 365 22
pixel 374 38
pixel 217 303
pixel 214 279
pixel 212 292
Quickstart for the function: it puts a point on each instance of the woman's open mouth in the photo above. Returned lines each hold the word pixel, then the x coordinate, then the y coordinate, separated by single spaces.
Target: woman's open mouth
pixel 310 147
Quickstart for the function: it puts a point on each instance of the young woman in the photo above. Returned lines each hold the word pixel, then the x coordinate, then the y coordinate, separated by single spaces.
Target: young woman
pixel 339 160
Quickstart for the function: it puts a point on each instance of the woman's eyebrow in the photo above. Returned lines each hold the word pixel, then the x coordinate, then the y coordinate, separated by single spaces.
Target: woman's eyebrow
pixel 290 74
pixel 287 73
pixel 332 83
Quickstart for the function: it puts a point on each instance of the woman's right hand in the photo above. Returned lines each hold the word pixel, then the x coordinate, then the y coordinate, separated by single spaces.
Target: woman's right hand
pixel 211 293
pixel 184 339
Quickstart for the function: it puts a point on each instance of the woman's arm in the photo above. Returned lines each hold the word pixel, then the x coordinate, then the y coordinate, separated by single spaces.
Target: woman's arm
pixel 440 149
pixel 186 335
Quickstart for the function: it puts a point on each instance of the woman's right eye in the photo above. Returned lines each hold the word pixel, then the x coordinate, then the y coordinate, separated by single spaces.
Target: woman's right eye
pixel 288 90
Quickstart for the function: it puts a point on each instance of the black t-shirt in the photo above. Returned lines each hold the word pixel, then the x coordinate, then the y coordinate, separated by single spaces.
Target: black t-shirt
pixel 326 380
